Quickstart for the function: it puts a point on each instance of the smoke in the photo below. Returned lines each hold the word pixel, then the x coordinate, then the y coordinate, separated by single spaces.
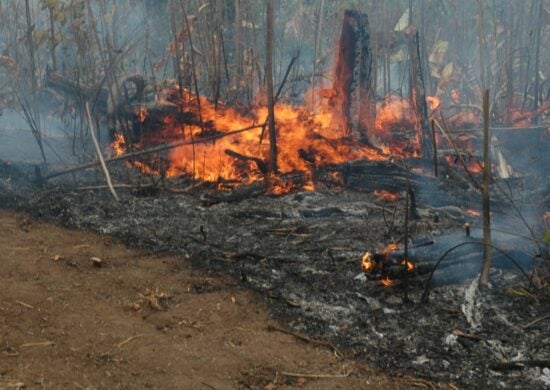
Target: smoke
pixel 18 144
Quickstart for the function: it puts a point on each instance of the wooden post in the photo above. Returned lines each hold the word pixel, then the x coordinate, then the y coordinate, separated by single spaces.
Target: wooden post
pixel 269 77
pixel 484 278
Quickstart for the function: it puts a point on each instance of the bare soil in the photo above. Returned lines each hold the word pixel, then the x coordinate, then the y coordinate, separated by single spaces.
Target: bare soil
pixel 136 320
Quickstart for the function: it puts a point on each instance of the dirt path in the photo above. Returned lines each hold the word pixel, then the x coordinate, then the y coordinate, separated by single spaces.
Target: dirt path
pixel 141 321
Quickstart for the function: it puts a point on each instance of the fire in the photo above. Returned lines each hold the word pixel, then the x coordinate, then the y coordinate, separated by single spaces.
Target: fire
pixel 386 196
pixel 367 263
pixel 395 128
pixel 473 166
pixel 409 264
pixel 390 248
pixel 119 144
pixel 299 133
pixel 433 102
pixel 473 213
pixel 386 282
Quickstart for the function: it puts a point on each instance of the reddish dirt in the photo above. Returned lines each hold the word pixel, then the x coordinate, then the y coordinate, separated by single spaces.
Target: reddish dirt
pixel 143 321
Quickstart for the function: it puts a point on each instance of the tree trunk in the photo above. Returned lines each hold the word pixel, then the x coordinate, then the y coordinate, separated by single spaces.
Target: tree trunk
pixel 353 76
pixel 30 43
pixel 269 81
pixel 419 96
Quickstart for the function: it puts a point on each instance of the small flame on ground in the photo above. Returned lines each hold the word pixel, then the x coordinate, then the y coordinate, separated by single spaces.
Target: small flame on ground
pixel 119 144
pixel 473 166
pixel 410 265
pixel 386 196
pixel 473 213
pixel 386 282
pixel 367 264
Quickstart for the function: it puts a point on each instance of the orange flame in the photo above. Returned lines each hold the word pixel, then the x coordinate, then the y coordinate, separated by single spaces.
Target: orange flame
pixel 410 265
pixel 390 248
pixel 472 212
pixel 386 282
pixel 386 196
pixel 433 102
pixel 473 166
pixel 299 133
pixel 367 264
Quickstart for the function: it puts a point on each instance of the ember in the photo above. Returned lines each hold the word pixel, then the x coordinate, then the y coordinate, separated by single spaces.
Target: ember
pixel 386 196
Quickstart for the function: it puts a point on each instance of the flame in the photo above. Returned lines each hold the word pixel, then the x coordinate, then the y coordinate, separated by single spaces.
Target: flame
pixel 299 133
pixel 472 212
pixel 395 128
pixel 386 282
pixel 367 263
pixel 410 265
pixel 119 144
pixel 473 165
pixel 433 102
pixel 390 248
pixel 386 196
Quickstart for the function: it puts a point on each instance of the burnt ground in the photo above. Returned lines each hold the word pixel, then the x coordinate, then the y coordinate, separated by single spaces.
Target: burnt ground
pixel 302 253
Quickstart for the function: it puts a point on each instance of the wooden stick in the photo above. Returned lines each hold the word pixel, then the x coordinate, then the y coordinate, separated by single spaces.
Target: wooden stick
pixel 536 321
pixel 486 203
pixel 122 343
pixel 316 376
pixel 38 344
pixel 99 154
pixel 432 122
pixel 24 304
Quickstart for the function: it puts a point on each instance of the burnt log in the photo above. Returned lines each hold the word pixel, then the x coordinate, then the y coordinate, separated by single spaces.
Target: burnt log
pixel 353 77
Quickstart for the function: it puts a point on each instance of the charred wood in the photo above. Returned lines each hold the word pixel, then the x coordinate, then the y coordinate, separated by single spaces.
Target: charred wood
pixel 353 82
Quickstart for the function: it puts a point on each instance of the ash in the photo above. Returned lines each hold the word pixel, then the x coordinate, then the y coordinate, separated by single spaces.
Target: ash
pixel 302 253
